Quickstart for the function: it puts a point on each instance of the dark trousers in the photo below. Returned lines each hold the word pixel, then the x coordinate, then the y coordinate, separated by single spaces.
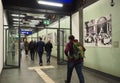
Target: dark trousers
pixel 78 67
pixel 40 57
pixel 48 55
pixel 26 52
pixel 32 53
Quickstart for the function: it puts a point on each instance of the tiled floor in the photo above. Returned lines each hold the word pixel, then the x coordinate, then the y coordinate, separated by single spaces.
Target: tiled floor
pixel 57 74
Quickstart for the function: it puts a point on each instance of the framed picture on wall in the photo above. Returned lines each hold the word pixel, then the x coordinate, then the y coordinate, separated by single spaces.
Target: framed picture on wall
pixel 98 32
pixel 90 33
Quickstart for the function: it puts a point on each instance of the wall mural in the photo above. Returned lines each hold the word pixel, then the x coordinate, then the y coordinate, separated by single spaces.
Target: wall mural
pixel 98 32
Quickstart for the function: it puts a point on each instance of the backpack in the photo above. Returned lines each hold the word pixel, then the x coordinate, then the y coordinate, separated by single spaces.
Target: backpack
pixel 77 51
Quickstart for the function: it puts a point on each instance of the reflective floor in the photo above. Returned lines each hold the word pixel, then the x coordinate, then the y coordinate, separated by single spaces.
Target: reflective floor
pixel 31 72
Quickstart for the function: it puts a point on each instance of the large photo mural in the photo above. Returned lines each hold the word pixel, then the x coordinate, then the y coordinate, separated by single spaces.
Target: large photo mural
pixel 98 32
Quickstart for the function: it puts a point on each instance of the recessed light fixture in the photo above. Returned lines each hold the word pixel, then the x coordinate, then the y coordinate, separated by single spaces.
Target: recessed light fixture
pixel 42 17
pixel 51 3
pixel 16 15
pixel 16 19
pixel 15 25
pixel 17 22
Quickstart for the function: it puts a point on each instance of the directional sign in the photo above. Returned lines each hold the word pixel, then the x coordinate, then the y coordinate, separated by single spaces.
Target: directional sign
pixel 26 32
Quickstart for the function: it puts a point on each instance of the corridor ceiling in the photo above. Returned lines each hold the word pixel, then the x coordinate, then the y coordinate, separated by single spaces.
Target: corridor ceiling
pixel 69 6
pixel 32 11
pixel 32 5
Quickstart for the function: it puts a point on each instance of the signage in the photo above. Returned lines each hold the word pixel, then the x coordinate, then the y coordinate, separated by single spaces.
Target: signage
pixel 26 32
pixel 46 22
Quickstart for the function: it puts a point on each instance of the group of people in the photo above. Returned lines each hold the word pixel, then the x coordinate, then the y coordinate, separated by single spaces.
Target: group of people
pixel 38 47
pixel 71 63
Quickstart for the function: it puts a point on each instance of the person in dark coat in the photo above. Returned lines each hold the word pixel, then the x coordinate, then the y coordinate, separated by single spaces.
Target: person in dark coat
pixel 26 47
pixel 32 49
pixel 48 49
pixel 35 43
pixel 40 49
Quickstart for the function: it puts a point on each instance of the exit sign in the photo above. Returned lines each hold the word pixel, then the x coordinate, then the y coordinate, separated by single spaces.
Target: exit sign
pixel 46 22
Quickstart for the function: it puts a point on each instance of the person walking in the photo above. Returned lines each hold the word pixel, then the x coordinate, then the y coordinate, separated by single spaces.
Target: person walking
pixel 73 63
pixel 40 49
pixel 48 49
pixel 26 46
pixel 35 43
pixel 32 49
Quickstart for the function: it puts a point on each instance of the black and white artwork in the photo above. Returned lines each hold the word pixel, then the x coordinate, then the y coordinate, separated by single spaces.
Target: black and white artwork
pixel 90 33
pixel 98 32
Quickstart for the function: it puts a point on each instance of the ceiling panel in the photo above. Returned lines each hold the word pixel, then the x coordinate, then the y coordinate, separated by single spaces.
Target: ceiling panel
pixel 31 6
pixel 30 19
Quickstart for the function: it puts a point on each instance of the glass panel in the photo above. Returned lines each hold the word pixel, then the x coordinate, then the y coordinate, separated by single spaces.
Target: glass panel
pixel 12 48
pixel 34 37
pixel 54 24
pixel 63 39
pixel 51 34
pixel 42 34
pixel 65 22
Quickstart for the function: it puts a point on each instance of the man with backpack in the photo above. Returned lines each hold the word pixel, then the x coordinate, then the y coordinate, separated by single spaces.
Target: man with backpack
pixel 75 55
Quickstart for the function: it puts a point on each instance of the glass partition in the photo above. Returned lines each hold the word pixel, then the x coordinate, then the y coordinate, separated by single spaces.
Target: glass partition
pixel 11 48
pixel 65 22
pixel 62 41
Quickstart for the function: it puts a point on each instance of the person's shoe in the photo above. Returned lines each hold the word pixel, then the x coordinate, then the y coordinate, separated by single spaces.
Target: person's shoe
pixel 41 64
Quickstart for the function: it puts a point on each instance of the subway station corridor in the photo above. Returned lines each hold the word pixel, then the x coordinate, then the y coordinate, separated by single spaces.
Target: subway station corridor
pixel 94 23
pixel 31 72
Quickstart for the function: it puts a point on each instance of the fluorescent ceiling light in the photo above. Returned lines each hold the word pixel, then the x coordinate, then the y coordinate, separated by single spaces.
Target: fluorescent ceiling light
pixel 50 3
pixel 17 22
pixel 5 27
pixel 15 25
pixel 42 17
pixel 16 15
pixel 15 19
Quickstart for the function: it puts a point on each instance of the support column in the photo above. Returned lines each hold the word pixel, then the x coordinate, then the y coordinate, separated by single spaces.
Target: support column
pixel 81 25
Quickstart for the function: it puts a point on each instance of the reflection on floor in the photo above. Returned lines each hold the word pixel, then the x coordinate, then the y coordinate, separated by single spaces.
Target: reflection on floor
pixel 31 72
